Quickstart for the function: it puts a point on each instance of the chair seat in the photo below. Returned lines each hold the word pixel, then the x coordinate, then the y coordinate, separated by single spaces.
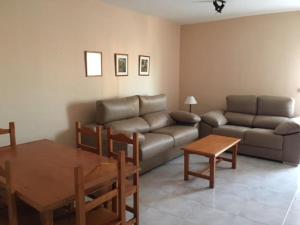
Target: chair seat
pixel 130 189
pixel 131 169
pixel 100 216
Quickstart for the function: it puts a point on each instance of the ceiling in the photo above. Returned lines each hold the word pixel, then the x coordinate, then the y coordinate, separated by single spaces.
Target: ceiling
pixel 191 11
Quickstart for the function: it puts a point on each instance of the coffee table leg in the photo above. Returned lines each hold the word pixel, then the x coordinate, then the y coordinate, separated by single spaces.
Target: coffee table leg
pixel 212 164
pixel 186 165
pixel 234 157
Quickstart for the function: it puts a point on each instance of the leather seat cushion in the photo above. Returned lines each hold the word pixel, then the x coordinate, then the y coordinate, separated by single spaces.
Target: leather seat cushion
pixel 136 124
pixel 155 144
pixel 181 134
pixel 268 122
pixel 231 131
pixel 263 138
pixel 158 120
pixel 239 119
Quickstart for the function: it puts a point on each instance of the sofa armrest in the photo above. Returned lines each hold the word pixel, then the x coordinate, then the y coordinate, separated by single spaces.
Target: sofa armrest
pixel 214 118
pixel 185 117
pixel 291 149
pixel 288 127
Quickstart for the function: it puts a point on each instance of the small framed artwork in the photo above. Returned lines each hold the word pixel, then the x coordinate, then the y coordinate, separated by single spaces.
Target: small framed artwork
pixel 144 65
pixel 121 64
pixel 93 63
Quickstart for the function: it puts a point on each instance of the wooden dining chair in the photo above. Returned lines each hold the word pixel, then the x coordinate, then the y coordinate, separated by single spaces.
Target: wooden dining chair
pixel 132 186
pixel 5 175
pixel 93 212
pixel 12 133
pixel 90 133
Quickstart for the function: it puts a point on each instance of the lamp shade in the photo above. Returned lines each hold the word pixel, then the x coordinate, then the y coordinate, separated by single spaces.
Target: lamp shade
pixel 190 100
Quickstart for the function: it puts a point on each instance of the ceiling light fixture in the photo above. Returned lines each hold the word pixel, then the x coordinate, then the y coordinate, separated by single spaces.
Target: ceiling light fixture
pixel 219 5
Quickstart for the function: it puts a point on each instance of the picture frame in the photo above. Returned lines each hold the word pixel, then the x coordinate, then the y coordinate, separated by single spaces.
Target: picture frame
pixel 144 65
pixel 93 63
pixel 121 64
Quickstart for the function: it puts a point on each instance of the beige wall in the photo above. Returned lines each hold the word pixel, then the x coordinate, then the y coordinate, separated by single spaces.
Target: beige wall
pixel 43 87
pixel 251 55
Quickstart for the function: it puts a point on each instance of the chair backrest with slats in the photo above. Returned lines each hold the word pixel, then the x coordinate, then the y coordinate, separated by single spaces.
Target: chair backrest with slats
pixel 89 132
pixel 5 175
pixel 124 139
pixel 117 192
pixel 12 133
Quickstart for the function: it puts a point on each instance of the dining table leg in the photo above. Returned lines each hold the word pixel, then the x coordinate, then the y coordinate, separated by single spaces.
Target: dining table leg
pixel 47 218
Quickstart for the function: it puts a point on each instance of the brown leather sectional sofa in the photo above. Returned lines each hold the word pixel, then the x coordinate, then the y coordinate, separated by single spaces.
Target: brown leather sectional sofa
pixel 161 133
pixel 266 124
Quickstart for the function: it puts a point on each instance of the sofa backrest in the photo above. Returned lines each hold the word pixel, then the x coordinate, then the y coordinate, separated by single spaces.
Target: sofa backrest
pixel 151 104
pixel 261 112
pixel 242 104
pixel 275 106
pixel 117 109
pixel 128 107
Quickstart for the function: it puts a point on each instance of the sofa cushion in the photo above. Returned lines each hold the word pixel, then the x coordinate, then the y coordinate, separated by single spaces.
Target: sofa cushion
pixel 154 144
pixel 239 119
pixel 287 128
pixel 276 106
pixel 231 131
pixel 185 117
pixel 181 134
pixel 158 120
pixel 117 109
pixel 150 104
pixel 136 124
pixel 242 104
pixel 268 122
pixel 263 138
pixel 214 118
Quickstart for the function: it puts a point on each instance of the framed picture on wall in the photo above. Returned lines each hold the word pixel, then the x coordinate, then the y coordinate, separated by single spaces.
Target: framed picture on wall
pixel 93 63
pixel 144 65
pixel 121 64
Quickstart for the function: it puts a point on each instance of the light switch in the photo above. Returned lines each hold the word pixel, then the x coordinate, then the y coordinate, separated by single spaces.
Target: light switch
pixel 298 90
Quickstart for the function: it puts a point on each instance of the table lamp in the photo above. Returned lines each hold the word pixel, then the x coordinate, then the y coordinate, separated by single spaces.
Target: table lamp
pixel 190 100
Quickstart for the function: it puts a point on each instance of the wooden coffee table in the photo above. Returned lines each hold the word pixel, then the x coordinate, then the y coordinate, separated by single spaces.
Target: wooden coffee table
pixel 212 147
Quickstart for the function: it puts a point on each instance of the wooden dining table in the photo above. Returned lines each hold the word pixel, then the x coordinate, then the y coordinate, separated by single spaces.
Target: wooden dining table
pixel 43 173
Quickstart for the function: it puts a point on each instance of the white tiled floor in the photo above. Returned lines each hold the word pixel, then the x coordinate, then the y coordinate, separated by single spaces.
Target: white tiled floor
pixel 293 216
pixel 259 192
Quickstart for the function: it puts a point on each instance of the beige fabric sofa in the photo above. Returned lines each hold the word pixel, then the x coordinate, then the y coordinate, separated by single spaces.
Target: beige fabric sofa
pixel 266 125
pixel 161 133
